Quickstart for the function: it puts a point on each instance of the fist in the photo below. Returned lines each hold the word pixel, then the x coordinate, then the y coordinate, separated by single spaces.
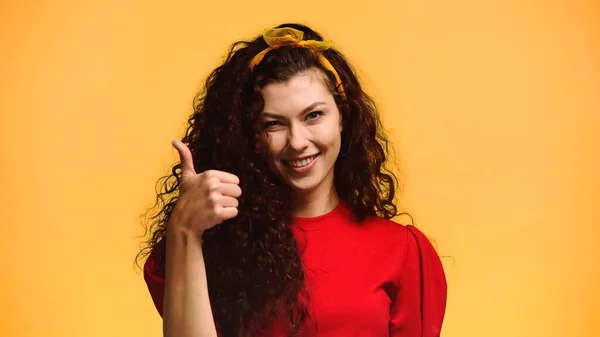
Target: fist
pixel 205 199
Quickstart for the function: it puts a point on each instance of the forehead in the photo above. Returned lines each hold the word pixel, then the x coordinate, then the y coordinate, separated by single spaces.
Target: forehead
pixel 295 94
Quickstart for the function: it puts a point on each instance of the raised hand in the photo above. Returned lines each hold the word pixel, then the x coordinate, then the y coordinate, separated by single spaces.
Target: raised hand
pixel 205 199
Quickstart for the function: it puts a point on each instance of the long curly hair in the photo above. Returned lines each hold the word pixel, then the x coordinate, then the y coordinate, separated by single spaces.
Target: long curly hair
pixel 253 264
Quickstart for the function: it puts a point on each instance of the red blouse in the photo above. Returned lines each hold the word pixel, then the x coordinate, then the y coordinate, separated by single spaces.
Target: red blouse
pixel 376 278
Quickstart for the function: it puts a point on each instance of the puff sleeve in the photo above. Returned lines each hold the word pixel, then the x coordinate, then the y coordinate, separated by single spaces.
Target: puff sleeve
pixel 155 282
pixel 419 305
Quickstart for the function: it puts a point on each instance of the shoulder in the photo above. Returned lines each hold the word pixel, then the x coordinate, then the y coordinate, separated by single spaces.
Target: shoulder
pixel 395 229
pixel 388 239
pixel 410 244
pixel 392 231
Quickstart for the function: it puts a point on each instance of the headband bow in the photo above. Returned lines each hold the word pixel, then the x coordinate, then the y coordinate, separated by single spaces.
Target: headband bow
pixel 287 36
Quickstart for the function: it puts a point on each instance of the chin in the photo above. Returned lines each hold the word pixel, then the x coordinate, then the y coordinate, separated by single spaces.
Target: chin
pixel 302 188
pixel 303 185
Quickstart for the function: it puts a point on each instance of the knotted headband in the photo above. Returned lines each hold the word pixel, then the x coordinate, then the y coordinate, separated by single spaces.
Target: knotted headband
pixel 278 37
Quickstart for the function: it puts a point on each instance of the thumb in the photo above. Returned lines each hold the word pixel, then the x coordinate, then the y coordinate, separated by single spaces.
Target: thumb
pixel 185 155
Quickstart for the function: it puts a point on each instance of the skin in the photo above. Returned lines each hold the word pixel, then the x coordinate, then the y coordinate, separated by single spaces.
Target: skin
pixel 301 119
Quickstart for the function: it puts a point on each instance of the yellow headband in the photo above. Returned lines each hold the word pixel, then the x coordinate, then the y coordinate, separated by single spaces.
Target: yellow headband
pixel 277 37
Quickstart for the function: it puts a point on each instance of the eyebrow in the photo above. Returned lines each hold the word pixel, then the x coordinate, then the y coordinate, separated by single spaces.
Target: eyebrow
pixel 305 110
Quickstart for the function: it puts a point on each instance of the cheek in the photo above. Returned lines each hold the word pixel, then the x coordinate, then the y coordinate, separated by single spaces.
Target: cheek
pixel 329 137
pixel 275 144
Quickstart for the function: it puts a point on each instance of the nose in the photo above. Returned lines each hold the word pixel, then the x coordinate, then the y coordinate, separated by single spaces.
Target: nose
pixel 298 138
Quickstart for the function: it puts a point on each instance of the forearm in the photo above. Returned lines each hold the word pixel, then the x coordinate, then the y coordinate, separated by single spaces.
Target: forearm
pixel 186 310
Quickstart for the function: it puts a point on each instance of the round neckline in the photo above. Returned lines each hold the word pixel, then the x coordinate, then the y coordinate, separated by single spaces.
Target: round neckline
pixel 320 219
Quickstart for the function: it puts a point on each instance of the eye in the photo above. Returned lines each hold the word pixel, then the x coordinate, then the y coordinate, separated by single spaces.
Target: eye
pixel 271 124
pixel 314 115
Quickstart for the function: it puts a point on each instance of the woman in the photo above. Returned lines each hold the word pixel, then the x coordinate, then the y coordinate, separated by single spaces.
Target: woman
pixel 276 222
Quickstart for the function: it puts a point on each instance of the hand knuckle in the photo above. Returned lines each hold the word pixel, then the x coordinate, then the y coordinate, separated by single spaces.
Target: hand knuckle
pixel 211 183
pixel 213 197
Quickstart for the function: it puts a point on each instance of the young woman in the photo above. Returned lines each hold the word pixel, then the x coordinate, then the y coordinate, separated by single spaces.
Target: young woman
pixel 277 220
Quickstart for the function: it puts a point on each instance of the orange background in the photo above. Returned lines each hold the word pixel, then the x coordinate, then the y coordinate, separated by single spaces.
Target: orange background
pixel 493 107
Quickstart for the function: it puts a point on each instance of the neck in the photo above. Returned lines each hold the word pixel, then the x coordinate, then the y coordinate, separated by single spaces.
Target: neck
pixel 315 203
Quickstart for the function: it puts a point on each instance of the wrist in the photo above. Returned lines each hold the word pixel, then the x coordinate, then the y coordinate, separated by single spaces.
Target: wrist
pixel 180 226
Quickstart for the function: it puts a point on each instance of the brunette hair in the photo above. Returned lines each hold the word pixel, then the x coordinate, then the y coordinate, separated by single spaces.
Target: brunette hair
pixel 252 261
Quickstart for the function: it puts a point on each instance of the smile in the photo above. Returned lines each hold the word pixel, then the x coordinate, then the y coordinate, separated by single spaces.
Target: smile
pixel 302 163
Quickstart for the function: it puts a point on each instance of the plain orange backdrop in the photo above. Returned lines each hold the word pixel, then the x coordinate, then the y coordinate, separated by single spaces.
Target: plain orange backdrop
pixel 493 108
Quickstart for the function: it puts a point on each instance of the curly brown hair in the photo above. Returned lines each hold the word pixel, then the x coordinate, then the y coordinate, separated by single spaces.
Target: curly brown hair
pixel 253 265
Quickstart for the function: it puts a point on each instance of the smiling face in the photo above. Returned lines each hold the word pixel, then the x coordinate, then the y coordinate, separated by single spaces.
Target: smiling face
pixel 303 126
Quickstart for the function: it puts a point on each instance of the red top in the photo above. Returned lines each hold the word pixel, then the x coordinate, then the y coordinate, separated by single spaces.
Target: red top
pixel 376 278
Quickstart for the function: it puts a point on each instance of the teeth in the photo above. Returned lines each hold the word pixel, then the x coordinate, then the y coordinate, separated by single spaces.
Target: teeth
pixel 301 163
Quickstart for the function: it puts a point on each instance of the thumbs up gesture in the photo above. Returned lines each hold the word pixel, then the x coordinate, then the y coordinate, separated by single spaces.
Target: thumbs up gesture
pixel 205 199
